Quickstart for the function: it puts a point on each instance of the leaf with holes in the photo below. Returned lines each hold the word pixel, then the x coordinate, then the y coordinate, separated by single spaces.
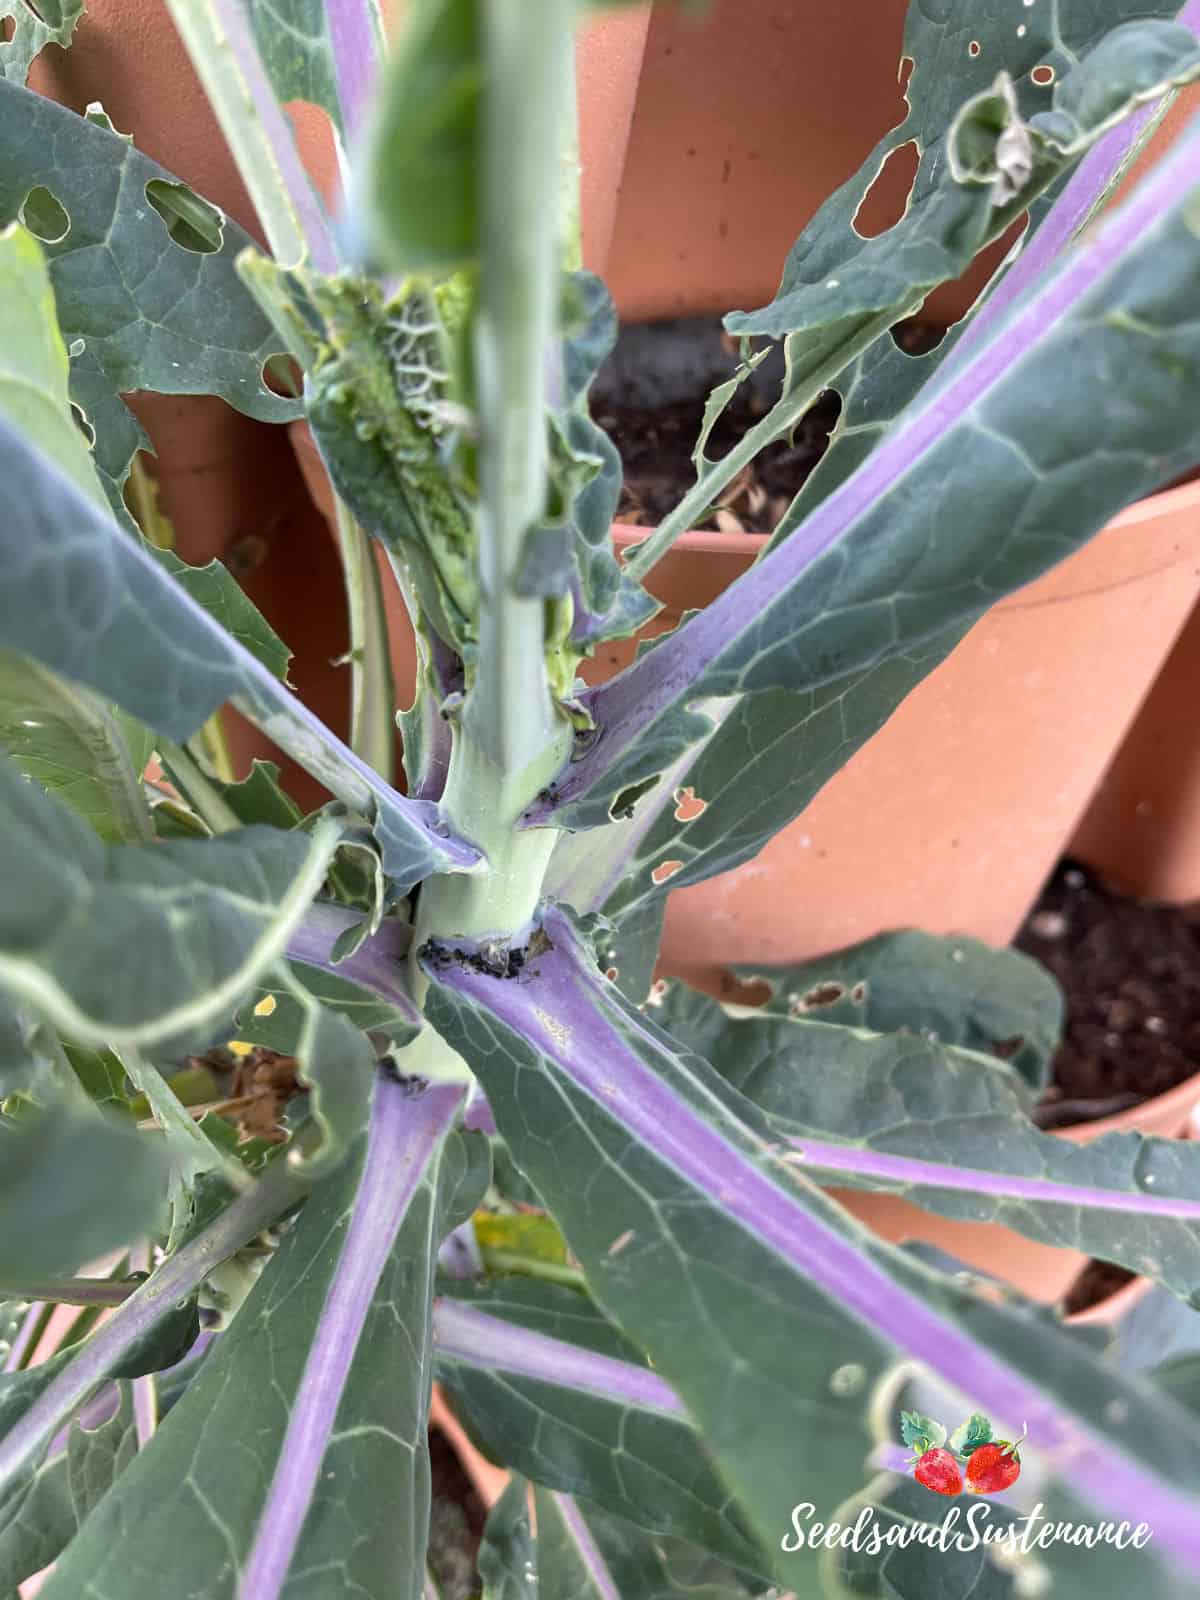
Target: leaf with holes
pixel 1036 54
pixel 31 26
pixel 953 990
pixel 906 551
pixel 141 306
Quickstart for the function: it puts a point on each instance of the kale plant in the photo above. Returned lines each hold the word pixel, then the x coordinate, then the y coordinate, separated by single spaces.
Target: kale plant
pixel 588 1203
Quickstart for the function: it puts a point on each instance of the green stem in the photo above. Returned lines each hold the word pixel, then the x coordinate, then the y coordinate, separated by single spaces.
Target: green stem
pixel 510 712
pixel 216 748
pixel 202 794
pixel 511 1261
pixel 192 1086
pixel 512 738
pixel 71 1291
pixel 372 689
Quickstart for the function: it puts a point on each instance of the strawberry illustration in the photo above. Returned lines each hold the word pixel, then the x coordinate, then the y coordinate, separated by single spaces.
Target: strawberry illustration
pixel 995 1466
pixel 938 1470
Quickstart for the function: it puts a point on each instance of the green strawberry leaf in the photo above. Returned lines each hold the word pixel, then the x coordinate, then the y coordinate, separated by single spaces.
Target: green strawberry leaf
pixel 969 1435
pixel 922 1433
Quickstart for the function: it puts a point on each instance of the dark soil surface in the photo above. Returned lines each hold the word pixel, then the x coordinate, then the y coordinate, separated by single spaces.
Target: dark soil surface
pixel 1097 1282
pixel 1130 970
pixel 656 448
pixel 650 400
pixel 456 1520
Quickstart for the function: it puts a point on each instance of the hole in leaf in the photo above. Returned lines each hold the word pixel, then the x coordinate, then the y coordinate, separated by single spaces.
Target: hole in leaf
pixel 821 994
pixel 665 870
pixel 622 807
pixel 859 993
pixel 84 426
pixel 1006 1049
pixel 45 217
pixel 1043 76
pixel 191 222
pixel 281 375
pixel 688 808
pixel 612 974
pixel 737 991
pixel 915 337
pixel 7 29
pixel 951 301
pixel 886 201
pixel 973 48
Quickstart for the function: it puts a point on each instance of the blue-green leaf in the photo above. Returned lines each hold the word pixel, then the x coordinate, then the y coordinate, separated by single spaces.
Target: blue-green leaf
pixel 336 1325
pixel 52 22
pixel 142 310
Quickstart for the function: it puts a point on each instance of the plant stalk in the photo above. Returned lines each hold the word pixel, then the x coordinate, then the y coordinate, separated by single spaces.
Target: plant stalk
pixel 71 1291
pixel 372 689
pixel 510 713
pixel 205 799
pixel 512 737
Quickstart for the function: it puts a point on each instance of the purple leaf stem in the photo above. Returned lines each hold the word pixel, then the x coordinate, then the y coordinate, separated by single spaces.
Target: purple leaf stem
pixel 377 964
pixel 479 1116
pixel 177 1278
pixel 627 705
pixel 404 1134
pixel 589 1551
pixel 310 213
pixel 356 44
pixel 1087 187
pixel 26 1335
pixel 570 1015
pixel 908 1170
pixel 463 1333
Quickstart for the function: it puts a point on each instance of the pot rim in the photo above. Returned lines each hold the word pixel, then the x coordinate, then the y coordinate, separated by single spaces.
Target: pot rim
pixel 1182 1099
pixel 1180 500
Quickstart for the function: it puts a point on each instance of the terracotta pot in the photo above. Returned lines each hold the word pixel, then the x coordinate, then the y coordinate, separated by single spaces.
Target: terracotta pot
pixel 1004 744
pixel 608 68
pixel 1142 829
pixel 747 119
